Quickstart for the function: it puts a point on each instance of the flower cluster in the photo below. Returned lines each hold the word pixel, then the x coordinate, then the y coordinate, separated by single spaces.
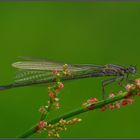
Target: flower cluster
pixel 53 94
pixel 55 88
pixel 54 129
pixel 116 105
pixel 66 70
pixel 89 104
pixel 129 99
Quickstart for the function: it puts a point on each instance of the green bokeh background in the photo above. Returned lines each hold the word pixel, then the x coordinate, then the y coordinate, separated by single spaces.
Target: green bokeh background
pixel 98 33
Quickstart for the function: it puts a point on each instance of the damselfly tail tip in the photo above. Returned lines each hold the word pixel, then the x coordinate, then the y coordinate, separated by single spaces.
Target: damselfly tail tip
pixel 3 87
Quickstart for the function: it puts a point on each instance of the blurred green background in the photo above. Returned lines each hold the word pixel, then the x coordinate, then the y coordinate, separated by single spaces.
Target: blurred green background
pixel 98 33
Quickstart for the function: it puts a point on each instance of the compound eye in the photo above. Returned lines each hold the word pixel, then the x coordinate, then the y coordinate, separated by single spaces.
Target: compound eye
pixel 133 70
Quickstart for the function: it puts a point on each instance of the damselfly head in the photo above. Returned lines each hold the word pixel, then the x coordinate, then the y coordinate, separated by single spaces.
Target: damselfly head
pixel 132 69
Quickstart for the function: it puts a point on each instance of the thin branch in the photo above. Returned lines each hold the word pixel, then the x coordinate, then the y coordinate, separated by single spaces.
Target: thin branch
pixel 82 109
pixel 44 114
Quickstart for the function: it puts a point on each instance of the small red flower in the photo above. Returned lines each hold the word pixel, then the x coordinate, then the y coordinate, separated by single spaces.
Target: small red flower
pixel 61 85
pixel 130 100
pixel 41 124
pixel 129 87
pixel 91 107
pixel 57 105
pixel 57 90
pixel 111 95
pixel 52 95
pixel 137 83
pixel 103 108
pixel 111 106
pixel 117 105
pixel 124 102
pixel 92 100
pixel 138 93
pixel 54 72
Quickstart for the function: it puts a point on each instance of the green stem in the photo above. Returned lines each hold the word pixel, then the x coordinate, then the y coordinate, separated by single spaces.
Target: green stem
pixel 44 115
pixel 80 110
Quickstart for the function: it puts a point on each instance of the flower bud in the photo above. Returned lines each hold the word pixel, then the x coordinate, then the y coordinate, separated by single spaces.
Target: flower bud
pixel 137 83
pixel 65 66
pixel 52 95
pixel 56 99
pixel 54 72
pixel 103 108
pixel 111 95
pixel 129 87
pixel 41 124
pixel 124 102
pixel 92 100
pixel 138 93
pixel 117 105
pixel 60 85
pixel 42 109
pixel 111 106
pixel 57 105
pixel 58 74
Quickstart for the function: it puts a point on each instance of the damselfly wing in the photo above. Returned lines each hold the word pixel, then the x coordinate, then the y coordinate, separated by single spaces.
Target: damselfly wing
pixel 33 71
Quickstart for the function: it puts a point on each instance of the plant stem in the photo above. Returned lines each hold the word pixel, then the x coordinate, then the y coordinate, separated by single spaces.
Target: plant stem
pixel 80 110
pixel 44 115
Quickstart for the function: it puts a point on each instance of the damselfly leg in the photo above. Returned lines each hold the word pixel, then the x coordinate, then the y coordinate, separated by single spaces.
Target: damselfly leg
pixel 109 81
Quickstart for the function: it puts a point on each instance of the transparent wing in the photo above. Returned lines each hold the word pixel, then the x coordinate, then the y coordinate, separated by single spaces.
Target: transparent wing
pixel 32 76
pixel 46 65
pixel 39 70
pixel 32 69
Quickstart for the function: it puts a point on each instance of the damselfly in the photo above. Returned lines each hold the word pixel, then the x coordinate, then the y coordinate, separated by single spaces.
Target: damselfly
pixel 40 72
